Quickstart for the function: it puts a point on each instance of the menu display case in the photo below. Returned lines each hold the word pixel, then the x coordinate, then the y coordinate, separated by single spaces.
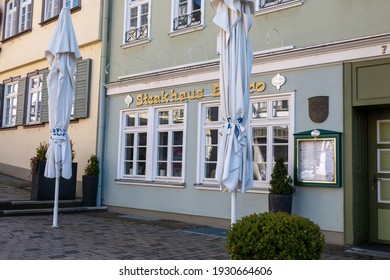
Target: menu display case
pixel 318 158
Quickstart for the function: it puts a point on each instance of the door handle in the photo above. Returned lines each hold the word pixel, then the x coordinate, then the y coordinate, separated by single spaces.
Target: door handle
pixel 375 183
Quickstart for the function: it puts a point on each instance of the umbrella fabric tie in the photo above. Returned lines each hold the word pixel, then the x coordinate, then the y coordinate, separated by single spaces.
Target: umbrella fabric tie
pixel 59 134
pixel 238 127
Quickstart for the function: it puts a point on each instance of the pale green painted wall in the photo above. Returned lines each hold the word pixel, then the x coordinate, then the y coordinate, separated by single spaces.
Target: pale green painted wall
pixel 313 23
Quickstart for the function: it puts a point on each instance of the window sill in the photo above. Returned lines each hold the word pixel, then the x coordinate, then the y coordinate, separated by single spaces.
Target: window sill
pixel 135 43
pixel 207 187
pixel 33 125
pixel 216 187
pixel 279 7
pixel 55 18
pixel 159 184
pixel 17 35
pixel 11 127
pixel 186 30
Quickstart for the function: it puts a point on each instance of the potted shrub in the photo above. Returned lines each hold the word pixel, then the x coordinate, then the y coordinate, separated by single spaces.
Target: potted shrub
pixel 43 188
pixel 275 236
pixel 282 190
pixel 90 181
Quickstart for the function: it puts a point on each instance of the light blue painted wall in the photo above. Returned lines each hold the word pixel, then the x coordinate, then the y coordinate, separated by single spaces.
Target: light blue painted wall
pixel 323 205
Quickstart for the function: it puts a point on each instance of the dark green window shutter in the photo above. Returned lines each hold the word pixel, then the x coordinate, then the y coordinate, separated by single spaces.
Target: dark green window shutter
pixel 45 99
pixel 21 104
pixel 1 104
pixel 81 100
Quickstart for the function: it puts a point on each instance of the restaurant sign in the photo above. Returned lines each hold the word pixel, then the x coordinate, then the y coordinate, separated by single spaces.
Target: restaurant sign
pixel 174 96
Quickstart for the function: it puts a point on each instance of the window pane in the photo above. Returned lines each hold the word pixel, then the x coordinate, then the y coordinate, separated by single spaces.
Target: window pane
pixel 141 168
pixel 280 134
pixel 129 139
pixel 142 139
pixel 259 110
pixel 162 153
pixel 130 120
pixel 211 114
pixel 182 7
pixel 259 153
pixel 178 138
pixel 145 8
pixel 178 116
pixel 177 153
pixel 144 14
pixel 128 168
pixel 196 4
pixel 176 169
pixel 129 153
pixel 133 12
pixel 210 169
pixel 211 153
pixel 143 119
pixel 259 135
pixel 260 171
pixel 281 151
pixel 280 108
pixel 162 169
pixel 163 138
pixel 214 136
pixel 163 117
pixel 142 153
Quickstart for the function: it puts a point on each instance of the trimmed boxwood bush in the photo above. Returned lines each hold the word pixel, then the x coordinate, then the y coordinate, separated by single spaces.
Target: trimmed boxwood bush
pixel 275 236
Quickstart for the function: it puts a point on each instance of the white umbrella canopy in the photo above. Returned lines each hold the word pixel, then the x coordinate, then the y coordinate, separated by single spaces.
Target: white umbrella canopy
pixel 234 164
pixel 62 54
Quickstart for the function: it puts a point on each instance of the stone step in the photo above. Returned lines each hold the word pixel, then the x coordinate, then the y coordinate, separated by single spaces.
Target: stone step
pixel 31 207
pixel 42 211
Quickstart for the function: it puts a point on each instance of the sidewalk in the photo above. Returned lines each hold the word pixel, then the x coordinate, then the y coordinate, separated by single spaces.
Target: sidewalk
pixel 111 236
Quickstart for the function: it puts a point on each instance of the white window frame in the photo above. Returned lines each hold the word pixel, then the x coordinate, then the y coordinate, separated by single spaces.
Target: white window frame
pixel 129 5
pixel 152 129
pixel 34 93
pixel 204 128
pixel 18 17
pixel 72 3
pixel 52 8
pixel 169 128
pixel 9 113
pixel 25 17
pixel 269 122
pixel 136 130
pixel 262 7
pixel 175 13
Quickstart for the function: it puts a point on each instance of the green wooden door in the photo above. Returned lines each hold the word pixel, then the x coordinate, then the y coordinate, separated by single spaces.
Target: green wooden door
pixel 379 175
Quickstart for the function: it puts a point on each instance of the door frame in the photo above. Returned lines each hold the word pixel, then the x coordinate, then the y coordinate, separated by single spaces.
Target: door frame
pixel 355 146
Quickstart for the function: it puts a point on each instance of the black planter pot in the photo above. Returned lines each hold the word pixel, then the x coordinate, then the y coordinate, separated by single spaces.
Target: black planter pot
pixel 90 186
pixel 280 203
pixel 43 188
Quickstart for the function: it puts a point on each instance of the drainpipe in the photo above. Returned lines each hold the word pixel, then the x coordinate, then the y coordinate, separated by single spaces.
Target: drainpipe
pixel 102 97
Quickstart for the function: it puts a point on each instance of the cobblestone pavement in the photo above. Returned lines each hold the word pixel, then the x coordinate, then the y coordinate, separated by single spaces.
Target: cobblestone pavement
pixel 103 236
pixel 111 236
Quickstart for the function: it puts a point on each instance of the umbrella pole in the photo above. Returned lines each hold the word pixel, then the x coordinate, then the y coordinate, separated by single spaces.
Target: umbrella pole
pixel 233 205
pixel 55 211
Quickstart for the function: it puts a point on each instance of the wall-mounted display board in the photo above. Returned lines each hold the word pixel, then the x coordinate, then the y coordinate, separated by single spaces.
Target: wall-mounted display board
pixel 317 158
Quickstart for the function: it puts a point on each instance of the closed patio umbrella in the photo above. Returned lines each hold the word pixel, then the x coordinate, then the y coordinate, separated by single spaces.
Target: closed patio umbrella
pixel 62 54
pixel 234 164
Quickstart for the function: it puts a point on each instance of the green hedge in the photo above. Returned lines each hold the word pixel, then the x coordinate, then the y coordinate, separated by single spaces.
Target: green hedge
pixel 275 236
